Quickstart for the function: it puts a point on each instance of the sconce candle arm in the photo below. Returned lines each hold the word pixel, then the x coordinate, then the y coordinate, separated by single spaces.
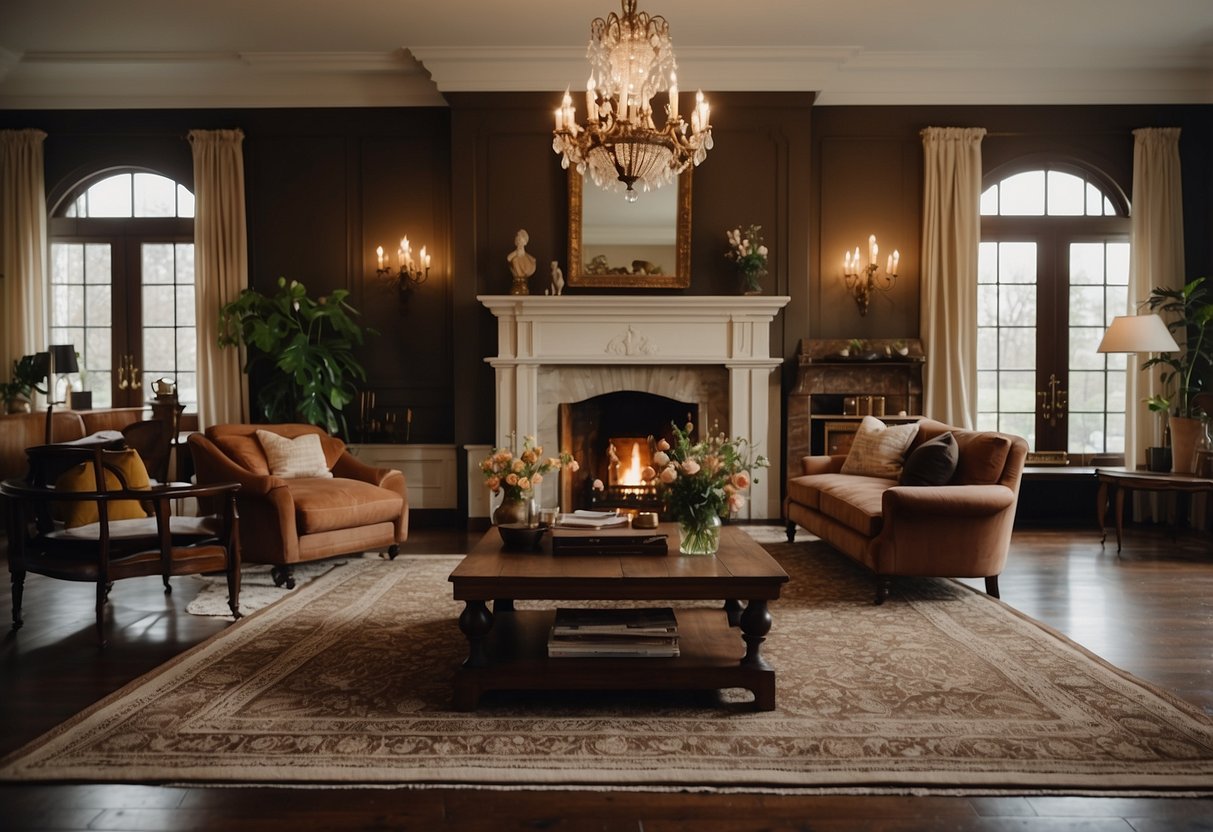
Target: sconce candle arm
pixel 862 281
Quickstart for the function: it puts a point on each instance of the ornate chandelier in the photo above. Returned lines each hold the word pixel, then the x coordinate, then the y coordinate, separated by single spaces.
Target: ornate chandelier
pixel 620 147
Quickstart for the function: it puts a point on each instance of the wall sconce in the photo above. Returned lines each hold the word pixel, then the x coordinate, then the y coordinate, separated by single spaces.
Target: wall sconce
pixel 862 281
pixel 407 275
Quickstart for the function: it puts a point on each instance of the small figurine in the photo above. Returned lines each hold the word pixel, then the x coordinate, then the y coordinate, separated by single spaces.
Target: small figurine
pixel 522 265
pixel 557 279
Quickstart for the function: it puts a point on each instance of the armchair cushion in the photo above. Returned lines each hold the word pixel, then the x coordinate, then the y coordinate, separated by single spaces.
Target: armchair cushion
pixel 983 458
pixel 131 475
pixel 288 458
pixel 323 505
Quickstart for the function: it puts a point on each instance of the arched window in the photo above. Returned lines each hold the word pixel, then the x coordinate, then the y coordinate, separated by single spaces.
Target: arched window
pixel 1053 271
pixel 122 285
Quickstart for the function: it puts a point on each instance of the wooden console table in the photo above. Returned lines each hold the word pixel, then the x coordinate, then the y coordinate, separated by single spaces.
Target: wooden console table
pixel 1114 482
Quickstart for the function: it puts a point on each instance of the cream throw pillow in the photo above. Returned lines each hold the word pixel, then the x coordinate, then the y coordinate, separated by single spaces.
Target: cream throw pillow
pixel 879 449
pixel 302 456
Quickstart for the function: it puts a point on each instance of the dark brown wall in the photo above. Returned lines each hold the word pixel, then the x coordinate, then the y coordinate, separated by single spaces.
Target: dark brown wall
pixel 326 186
pixel 868 163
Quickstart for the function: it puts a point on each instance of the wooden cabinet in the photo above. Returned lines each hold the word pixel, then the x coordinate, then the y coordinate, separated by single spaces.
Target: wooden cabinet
pixel 430 472
pixel 833 392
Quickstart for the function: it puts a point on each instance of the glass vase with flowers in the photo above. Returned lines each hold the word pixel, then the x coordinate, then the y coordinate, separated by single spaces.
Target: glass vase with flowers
pixel 702 482
pixel 517 475
pixel 748 252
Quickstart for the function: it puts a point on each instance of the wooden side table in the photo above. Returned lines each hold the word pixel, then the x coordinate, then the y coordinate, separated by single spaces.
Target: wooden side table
pixel 1114 482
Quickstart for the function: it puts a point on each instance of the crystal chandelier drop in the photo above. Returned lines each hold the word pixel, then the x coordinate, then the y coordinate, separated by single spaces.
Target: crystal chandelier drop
pixel 620 146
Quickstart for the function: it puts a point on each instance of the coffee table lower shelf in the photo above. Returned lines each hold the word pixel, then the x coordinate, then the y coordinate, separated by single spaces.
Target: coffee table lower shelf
pixel 711 658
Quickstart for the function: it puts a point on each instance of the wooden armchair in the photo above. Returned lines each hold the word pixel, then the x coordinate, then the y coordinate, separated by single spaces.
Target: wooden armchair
pixel 51 530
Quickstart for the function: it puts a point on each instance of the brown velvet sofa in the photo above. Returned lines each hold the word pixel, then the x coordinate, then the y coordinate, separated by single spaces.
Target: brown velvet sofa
pixel 958 530
pixel 287 521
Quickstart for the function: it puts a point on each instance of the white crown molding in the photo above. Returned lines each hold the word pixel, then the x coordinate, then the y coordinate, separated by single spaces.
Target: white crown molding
pixel 418 77
pixel 107 80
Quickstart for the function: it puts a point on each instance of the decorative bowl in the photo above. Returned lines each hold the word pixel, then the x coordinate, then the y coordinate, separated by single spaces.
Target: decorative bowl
pixel 519 536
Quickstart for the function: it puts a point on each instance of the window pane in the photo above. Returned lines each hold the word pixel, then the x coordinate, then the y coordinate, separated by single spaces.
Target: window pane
pixel 989 201
pixel 1094 201
pixel 158 304
pixel 185 262
pixel 74 273
pixel 1067 194
pixel 187 389
pixel 1017 305
pixel 98 354
pixel 987 305
pixel 1023 194
pixel 60 262
pixel 185 306
pixel 155 196
pixel 987 262
pixel 1083 342
pixel 1086 433
pixel 987 421
pixel 1017 262
pixel 158 350
pixel 99 383
pixel 186 349
pixel 987 349
pixel 1017 349
pixel 1086 263
pixel 98 305
pixel 1017 392
pixel 1114 442
pixel 1086 394
pixel 97 268
pixel 1108 209
pixel 185 204
pixel 1116 302
pixel 1086 305
pixel 157 263
pixel 111 197
pixel 987 391
pixel 1118 263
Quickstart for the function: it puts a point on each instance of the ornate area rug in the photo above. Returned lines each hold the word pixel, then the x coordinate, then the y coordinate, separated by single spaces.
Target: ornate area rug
pixel 348 680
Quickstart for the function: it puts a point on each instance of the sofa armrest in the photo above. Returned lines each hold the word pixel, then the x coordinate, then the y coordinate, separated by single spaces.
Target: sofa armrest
pixel 213 465
pixel 351 467
pixel 950 501
pixel 821 464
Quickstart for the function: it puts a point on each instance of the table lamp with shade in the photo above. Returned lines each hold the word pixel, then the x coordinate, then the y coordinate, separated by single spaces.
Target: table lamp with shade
pixel 1137 334
pixel 61 360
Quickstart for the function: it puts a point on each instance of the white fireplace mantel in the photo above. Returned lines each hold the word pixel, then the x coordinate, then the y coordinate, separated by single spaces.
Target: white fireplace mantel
pixel 578 333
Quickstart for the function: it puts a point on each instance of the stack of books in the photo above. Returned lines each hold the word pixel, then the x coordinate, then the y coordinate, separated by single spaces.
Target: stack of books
pixel 620 633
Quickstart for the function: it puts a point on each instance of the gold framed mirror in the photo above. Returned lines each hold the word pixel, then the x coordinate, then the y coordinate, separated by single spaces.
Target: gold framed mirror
pixel 644 244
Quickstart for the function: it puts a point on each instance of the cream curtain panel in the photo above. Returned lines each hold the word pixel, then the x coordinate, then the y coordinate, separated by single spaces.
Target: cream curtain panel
pixel 220 270
pixel 22 246
pixel 1156 259
pixel 951 232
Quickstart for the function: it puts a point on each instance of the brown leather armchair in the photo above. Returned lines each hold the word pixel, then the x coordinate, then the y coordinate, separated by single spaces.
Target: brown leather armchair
pixel 287 521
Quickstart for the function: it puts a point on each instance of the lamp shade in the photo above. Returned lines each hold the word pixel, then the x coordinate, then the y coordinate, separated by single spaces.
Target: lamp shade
pixel 64 358
pixel 1137 333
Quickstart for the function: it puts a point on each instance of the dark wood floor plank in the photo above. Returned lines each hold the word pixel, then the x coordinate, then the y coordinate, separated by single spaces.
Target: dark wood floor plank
pixel 1148 611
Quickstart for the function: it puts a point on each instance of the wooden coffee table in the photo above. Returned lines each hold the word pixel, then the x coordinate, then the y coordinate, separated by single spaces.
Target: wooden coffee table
pixel 507 648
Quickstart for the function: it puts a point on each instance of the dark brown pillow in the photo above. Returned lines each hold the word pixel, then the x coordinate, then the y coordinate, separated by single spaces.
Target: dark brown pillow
pixel 931 463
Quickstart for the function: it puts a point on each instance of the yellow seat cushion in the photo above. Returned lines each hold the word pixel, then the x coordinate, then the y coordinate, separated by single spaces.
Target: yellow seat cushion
pixel 83 478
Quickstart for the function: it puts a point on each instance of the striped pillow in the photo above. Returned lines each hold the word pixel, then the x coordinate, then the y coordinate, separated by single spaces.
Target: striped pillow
pixel 879 449
pixel 302 456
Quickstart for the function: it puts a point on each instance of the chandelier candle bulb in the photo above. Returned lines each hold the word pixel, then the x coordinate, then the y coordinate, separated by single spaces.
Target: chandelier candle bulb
pixel 873 250
pixel 379 255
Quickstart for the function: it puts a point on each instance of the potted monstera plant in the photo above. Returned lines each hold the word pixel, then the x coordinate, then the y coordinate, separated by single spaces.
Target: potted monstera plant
pixel 309 341
pixel 1188 313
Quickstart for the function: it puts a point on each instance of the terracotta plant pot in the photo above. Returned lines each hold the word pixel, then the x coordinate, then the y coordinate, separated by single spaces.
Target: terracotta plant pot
pixel 1185 432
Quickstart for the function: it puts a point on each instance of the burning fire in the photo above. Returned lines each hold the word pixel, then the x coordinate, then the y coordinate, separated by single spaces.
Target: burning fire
pixel 631 474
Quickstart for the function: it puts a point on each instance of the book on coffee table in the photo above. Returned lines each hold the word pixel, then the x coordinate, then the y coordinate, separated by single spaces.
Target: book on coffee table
pixel 616 633
pixel 621 541
pixel 584 519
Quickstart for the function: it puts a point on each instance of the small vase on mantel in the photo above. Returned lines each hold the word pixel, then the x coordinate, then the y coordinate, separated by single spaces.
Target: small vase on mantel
pixel 751 281
pixel 515 509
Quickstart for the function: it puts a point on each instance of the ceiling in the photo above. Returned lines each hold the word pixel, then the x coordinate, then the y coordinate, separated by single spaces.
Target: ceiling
pixel 266 53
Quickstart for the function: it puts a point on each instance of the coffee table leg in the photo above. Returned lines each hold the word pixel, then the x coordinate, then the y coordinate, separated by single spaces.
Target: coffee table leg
pixel 732 609
pixel 475 622
pixel 755 624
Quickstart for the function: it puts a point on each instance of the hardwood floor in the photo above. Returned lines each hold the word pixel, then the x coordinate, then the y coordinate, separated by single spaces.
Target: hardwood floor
pixel 1148 610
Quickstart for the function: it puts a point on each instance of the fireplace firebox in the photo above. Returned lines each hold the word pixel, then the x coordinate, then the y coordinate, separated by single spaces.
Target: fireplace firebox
pixel 611 435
